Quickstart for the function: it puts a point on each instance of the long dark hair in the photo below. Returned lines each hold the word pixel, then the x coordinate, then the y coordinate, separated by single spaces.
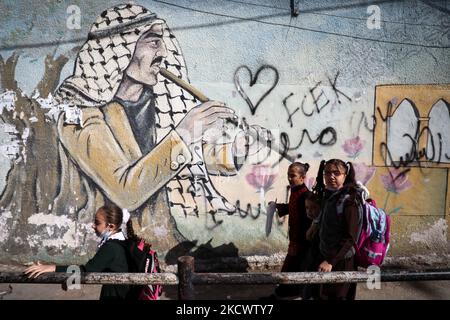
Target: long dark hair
pixel 313 197
pixel 319 187
pixel 131 235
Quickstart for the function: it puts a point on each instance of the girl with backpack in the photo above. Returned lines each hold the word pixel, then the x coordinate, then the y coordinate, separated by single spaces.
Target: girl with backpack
pixel 339 224
pixel 111 255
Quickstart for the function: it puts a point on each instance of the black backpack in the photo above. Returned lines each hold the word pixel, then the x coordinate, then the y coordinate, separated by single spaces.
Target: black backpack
pixel 141 258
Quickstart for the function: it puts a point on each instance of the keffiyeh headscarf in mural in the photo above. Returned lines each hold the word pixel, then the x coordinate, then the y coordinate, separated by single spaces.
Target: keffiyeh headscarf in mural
pixel 99 70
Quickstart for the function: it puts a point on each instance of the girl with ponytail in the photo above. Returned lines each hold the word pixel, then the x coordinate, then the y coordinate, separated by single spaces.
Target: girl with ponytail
pixel 299 223
pixel 110 257
pixel 338 225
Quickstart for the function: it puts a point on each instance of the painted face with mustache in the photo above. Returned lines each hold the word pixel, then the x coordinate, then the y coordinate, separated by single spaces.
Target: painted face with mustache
pixel 148 55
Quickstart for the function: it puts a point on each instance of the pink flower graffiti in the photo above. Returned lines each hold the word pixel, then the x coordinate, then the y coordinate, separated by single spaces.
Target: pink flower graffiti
pixel 396 181
pixel 261 177
pixel 363 172
pixel 353 147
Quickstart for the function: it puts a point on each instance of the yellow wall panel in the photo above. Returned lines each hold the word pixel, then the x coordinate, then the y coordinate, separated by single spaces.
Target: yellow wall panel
pixel 423 194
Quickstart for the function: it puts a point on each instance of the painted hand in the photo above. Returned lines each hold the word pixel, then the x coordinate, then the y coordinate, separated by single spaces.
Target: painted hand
pixel 205 122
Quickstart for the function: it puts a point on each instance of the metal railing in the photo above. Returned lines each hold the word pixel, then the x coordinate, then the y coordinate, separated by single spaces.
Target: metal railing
pixel 187 278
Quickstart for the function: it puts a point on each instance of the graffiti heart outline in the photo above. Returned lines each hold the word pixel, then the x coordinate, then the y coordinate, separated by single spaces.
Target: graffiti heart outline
pixel 252 82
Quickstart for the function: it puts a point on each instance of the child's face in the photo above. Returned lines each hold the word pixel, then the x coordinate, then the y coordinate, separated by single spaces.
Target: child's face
pixel 295 178
pixel 312 209
pixel 334 176
pixel 100 224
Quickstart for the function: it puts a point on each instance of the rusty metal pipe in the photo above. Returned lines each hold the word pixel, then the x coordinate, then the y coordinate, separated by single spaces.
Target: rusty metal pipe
pixel 227 278
pixel 93 278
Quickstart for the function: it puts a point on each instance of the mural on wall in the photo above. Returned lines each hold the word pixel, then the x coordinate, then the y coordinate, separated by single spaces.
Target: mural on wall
pixel 195 172
pixel 411 149
pixel 33 177
pixel 136 140
pixel 125 134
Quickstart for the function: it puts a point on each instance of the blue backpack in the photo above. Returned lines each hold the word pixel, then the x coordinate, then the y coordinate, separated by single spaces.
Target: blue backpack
pixel 373 237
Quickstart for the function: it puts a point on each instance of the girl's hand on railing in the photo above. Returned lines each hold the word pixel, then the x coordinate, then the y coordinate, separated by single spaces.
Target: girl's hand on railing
pixel 37 269
pixel 325 267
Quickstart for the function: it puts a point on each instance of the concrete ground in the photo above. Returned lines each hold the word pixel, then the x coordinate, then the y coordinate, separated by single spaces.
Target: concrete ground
pixel 426 290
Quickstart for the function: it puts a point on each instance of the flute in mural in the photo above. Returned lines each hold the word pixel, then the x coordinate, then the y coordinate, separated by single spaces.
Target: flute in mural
pixel 202 98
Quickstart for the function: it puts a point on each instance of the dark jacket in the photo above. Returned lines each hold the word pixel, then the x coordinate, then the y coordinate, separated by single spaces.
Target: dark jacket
pixel 110 257
pixel 339 227
pixel 299 223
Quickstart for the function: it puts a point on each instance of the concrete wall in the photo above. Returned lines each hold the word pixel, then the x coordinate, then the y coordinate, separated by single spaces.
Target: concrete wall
pixel 364 83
